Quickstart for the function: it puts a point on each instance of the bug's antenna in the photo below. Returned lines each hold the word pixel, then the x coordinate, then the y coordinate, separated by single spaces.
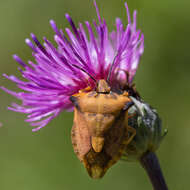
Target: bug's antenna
pixel 84 72
pixel 110 70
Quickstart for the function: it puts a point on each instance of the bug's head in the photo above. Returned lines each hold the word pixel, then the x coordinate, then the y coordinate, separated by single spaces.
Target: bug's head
pixel 103 87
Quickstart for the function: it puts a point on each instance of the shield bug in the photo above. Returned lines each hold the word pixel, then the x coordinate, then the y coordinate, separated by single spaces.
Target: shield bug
pixel 100 131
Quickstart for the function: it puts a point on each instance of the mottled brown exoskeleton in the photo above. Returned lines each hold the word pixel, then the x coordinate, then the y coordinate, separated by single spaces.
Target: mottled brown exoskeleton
pixel 100 131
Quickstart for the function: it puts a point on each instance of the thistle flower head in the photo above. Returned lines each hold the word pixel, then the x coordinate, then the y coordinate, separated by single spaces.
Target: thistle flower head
pixel 59 72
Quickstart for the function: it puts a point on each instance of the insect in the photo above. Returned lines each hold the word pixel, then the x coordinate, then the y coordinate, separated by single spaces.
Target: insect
pixel 100 131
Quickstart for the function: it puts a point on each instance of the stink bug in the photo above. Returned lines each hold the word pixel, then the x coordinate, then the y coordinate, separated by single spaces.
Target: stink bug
pixel 100 132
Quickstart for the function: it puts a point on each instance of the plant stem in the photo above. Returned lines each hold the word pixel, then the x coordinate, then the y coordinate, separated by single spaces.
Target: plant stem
pixel 150 163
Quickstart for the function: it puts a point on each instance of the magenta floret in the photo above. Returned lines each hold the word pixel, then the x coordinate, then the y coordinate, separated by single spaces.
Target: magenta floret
pixel 55 75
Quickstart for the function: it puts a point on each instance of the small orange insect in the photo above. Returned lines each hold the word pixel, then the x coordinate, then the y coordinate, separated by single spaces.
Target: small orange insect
pixel 100 131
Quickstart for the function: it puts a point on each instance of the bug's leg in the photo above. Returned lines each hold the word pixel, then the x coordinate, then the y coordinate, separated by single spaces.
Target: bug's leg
pixel 133 131
pixel 87 89
pixel 74 96
pixel 129 129
pixel 132 115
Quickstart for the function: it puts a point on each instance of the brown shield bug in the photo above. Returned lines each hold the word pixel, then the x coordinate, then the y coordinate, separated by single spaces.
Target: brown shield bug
pixel 100 132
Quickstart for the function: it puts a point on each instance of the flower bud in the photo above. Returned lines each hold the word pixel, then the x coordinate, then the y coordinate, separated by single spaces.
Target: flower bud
pixel 148 127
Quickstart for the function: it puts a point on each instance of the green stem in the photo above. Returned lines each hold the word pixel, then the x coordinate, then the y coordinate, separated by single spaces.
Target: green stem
pixel 150 163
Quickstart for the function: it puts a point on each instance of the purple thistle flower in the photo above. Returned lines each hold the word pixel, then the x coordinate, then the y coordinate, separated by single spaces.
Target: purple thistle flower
pixel 61 72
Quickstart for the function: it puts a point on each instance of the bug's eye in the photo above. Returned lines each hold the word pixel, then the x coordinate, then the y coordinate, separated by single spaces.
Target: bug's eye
pixel 74 100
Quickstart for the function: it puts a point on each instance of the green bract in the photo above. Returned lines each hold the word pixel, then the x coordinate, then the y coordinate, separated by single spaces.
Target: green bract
pixel 148 127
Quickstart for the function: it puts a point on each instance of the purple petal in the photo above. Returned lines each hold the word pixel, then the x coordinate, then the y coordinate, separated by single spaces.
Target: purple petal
pixel 59 72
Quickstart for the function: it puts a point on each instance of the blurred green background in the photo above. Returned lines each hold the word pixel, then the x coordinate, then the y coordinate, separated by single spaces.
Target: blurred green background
pixel 45 160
